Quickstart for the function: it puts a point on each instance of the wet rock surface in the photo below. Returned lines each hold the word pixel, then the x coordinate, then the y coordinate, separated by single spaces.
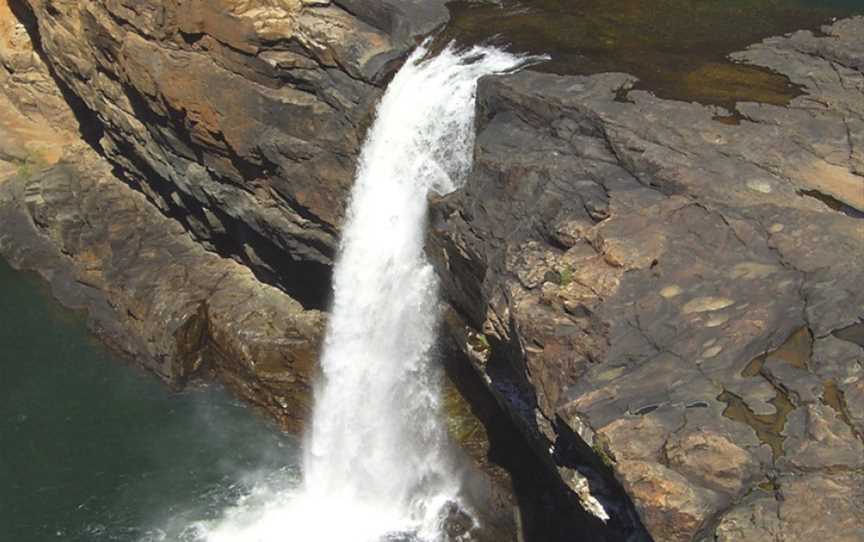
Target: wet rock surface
pixel 657 291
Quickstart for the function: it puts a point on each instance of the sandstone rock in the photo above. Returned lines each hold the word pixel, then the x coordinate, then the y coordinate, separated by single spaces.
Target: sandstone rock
pixel 24 78
pixel 673 508
pixel 802 508
pixel 152 292
pixel 632 261
pixel 35 120
pixel 149 289
pixel 758 519
pixel 638 438
pixel 241 119
pixel 712 460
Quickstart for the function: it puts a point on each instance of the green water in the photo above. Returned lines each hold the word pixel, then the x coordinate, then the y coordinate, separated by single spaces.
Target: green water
pixel 93 449
pixel 677 48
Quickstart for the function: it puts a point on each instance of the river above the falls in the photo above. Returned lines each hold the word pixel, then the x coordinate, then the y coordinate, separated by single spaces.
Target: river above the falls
pixel 678 49
pixel 94 449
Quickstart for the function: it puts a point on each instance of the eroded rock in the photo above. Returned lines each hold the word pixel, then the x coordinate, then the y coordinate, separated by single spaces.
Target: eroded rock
pixel 797 511
pixel 241 119
pixel 669 287
pixel 152 292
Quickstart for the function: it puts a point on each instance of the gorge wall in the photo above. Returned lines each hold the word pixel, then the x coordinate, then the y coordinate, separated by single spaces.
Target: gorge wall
pixel 148 288
pixel 664 297
pixel 242 120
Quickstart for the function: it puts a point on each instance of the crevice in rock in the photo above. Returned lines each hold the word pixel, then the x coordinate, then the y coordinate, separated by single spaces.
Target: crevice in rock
pixel 832 203
pixel 190 38
pixel 594 464
pixel 549 510
pixel 306 281
pixel 852 334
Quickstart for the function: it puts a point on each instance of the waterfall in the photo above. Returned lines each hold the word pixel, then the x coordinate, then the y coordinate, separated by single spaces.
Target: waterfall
pixel 376 465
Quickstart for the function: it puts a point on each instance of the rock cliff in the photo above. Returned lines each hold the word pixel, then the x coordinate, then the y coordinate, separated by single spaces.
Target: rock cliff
pixel 148 288
pixel 240 119
pixel 158 285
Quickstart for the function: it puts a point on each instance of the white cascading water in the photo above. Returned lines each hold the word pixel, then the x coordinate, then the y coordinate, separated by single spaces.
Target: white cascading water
pixel 376 461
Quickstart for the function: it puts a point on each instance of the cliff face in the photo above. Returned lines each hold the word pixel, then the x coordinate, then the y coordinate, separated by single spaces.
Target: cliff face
pixel 211 110
pixel 169 288
pixel 28 96
pixel 240 119
pixel 664 297
pixel 148 288
pixel 672 301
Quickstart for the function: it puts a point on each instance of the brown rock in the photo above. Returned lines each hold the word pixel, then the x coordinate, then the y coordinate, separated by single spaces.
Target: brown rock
pixel 636 439
pixel 153 293
pixel 806 507
pixel 635 259
pixel 672 508
pixel 241 119
pixel 712 460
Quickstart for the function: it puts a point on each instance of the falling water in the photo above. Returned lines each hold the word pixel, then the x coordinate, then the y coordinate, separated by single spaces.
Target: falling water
pixel 376 464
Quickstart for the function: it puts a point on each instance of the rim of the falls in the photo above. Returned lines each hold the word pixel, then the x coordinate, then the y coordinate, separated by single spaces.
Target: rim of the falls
pixel 377 461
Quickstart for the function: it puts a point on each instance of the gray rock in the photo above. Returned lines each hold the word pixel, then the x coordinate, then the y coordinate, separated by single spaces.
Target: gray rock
pixel 632 261
pixel 800 508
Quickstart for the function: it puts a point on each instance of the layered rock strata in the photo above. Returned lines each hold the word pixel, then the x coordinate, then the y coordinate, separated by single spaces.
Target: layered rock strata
pixel 149 289
pixel 241 119
pixel 667 297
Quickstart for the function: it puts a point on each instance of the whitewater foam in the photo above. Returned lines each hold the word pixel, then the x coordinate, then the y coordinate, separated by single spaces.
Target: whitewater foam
pixel 376 463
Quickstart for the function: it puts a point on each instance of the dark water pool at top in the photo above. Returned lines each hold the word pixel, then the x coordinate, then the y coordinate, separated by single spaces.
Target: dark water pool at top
pixel 677 48
pixel 93 449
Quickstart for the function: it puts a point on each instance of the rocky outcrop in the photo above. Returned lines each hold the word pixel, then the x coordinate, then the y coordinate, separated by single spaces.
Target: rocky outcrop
pixel 666 296
pixel 240 119
pixel 25 80
pixel 28 98
pixel 152 292
pixel 148 288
